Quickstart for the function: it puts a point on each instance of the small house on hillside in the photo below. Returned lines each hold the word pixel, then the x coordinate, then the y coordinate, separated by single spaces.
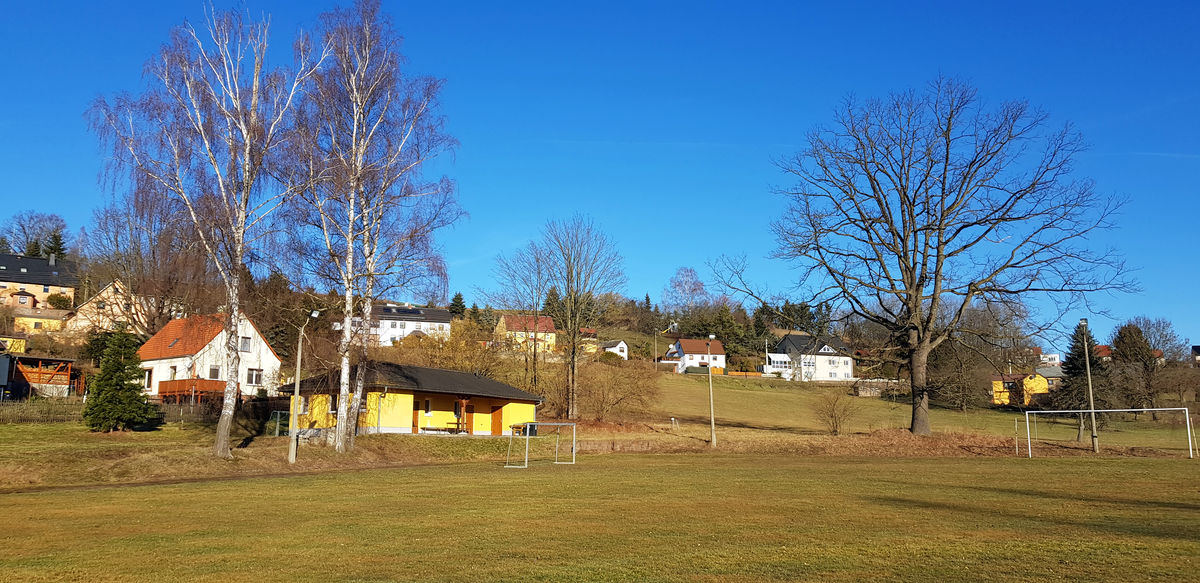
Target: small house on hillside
pixel 415 399
pixel 525 331
pixel 617 347
pixel 186 359
pixel 1021 389
pixel 39 320
pixel 112 306
pixel 801 357
pixel 692 352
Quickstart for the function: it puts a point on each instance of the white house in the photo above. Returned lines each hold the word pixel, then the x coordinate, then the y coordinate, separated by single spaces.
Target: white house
pixel 187 357
pixel 801 357
pixel 696 352
pixel 617 347
pixel 392 322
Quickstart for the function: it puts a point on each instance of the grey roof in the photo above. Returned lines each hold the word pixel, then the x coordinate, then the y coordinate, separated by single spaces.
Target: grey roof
pixel 37 271
pixel 420 379
pixel 611 344
pixel 410 313
pixel 1050 372
pixel 805 344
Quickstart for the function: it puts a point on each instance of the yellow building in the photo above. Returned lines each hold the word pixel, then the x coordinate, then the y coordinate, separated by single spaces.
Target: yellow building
pixel 38 320
pixel 523 331
pixel 39 278
pixel 413 399
pixel 1026 389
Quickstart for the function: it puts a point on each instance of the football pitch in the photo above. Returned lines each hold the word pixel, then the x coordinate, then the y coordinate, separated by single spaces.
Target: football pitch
pixel 683 517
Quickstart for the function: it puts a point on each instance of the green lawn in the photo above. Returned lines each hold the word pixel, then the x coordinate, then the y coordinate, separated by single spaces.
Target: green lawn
pixel 630 518
pixel 745 406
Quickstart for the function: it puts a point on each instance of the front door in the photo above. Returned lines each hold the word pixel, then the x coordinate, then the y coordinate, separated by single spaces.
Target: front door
pixel 497 420
pixel 470 419
pixel 416 415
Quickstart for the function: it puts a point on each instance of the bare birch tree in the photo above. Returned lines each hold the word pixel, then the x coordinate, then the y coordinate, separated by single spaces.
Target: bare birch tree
pixel 368 129
pixel 212 117
pixel 911 209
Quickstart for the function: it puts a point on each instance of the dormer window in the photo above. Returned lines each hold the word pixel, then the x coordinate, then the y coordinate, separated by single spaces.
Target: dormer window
pixel 23 270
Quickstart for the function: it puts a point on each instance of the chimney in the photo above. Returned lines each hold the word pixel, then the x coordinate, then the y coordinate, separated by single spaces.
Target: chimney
pixel 51 260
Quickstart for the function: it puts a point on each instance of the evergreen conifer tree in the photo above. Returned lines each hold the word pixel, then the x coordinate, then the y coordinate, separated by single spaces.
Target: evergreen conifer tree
pixel 473 313
pixel 115 400
pixel 458 307
pixel 1073 394
pixel 33 248
pixel 54 245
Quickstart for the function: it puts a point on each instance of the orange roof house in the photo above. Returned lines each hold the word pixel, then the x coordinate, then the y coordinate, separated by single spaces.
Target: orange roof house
pixel 696 352
pixel 187 358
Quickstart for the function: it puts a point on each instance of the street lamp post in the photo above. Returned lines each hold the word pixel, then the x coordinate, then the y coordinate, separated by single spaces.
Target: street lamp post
pixel 1087 362
pixel 712 415
pixel 293 434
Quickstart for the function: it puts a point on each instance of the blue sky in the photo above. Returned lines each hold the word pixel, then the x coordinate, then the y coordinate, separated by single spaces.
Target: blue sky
pixel 662 120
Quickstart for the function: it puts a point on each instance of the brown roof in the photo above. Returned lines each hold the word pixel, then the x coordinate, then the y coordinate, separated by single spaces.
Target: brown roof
pixel 526 324
pixel 1103 350
pixel 697 346
pixel 182 337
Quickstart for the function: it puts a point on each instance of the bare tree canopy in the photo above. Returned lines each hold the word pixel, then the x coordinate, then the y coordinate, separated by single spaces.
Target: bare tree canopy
pixel 909 210
pixel 583 264
pixel 204 131
pixel 684 291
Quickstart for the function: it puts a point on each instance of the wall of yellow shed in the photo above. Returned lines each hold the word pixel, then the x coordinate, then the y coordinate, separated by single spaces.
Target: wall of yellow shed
pixel 392 412
pixel 1032 385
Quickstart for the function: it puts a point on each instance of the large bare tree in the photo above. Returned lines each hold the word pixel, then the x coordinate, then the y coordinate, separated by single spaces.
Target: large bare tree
pixel 909 210
pixel 368 129
pixel 583 264
pixel 523 283
pixel 204 130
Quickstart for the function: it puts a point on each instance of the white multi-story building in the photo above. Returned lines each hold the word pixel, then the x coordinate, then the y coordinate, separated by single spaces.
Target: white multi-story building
pixel 391 322
pixel 800 357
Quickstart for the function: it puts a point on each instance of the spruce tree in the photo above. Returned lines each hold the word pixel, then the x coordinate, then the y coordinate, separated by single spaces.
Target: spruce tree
pixel 458 307
pixel 1073 394
pixel 54 245
pixel 115 399
pixel 1132 353
pixel 473 313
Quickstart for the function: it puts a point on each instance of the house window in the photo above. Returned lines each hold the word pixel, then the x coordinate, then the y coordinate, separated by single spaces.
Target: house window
pixel 100 305
pixel 45 289
pixel 36 325
pixel 149 377
pixel 691 357
pixel 428 408
pixel 173 372
pixel 23 300
pixel 333 399
pixel 214 372
pixel 393 324
pixel 254 376
pixel 244 344
pixel 403 325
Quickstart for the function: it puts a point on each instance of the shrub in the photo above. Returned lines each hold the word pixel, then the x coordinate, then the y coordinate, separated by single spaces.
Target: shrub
pixel 115 400
pixel 835 409
pixel 59 302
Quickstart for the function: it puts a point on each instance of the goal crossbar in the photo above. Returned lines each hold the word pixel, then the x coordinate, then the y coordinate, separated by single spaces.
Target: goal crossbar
pixel 1187 421
pixel 527 429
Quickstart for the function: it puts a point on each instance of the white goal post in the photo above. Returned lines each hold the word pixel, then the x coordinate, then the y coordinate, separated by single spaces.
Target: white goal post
pixel 1187 421
pixel 530 431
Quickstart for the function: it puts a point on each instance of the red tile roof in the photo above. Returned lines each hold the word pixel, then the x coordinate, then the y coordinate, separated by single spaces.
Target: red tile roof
pixel 1103 350
pixel 526 324
pixel 697 346
pixel 182 337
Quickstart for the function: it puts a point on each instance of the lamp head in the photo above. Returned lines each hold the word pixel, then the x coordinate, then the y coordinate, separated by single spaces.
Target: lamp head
pixel 1083 322
pixel 712 336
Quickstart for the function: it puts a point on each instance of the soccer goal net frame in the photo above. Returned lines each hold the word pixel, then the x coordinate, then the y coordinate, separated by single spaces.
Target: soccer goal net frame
pixel 1187 421
pixel 531 431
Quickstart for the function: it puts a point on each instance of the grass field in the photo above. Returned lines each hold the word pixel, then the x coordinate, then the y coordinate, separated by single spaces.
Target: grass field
pixel 630 518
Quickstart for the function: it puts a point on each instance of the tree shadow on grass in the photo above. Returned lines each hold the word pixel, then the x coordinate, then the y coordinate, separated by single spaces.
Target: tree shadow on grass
pixel 1071 497
pixel 1146 528
pixel 759 426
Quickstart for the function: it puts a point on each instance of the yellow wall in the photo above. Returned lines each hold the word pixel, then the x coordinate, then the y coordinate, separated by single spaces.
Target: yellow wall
pixel 1033 385
pixel 25 324
pixel 393 412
